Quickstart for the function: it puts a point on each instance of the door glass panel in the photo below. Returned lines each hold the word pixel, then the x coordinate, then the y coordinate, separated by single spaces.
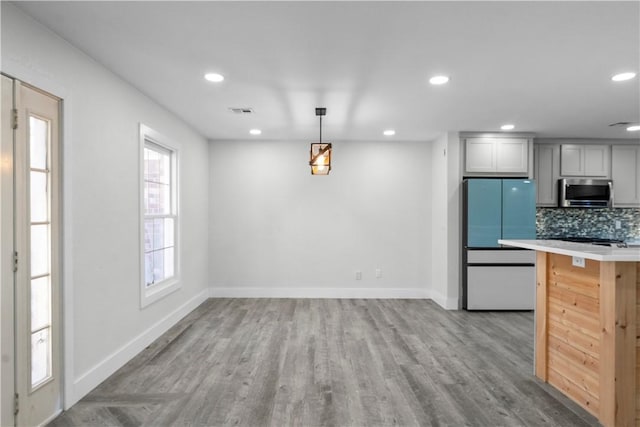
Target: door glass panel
pixel 40 303
pixel 39 249
pixel 39 205
pixel 40 356
pixel 40 287
pixel 38 141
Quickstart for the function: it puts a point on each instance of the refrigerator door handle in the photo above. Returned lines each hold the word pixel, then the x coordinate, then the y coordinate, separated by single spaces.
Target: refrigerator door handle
pixel 499 264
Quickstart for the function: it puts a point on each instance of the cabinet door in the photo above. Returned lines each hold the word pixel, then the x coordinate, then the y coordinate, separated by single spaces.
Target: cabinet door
pixel 480 155
pixel 572 160
pixel 585 160
pixel 625 172
pixel 501 288
pixel 501 256
pixel 512 155
pixel 547 169
pixel 596 160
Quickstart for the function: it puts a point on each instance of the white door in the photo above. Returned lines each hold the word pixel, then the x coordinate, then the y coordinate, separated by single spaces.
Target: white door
pixel 37 276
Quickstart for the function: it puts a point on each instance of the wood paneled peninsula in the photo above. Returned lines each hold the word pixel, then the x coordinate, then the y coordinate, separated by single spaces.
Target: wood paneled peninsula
pixel 587 316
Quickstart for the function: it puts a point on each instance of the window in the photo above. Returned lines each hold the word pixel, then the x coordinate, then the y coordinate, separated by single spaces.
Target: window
pixel 41 247
pixel 159 217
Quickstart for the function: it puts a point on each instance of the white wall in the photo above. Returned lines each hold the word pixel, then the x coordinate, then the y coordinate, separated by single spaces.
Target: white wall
pixel 439 210
pixel 446 176
pixel 454 221
pixel 276 230
pixel 273 229
pixel 104 325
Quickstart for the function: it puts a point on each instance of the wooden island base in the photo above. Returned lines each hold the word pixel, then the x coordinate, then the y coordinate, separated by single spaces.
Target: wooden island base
pixel 586 334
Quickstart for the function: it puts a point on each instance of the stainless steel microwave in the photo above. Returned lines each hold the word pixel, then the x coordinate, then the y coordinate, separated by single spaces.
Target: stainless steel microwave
pixel 585 193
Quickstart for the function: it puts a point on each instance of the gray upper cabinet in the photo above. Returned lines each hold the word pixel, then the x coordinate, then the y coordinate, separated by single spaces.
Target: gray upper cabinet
pixel 554 160
pixel 625 173
pixel 585 160
pixel 512 155
pixel 496 155
pixel 480 155
pixel 546 165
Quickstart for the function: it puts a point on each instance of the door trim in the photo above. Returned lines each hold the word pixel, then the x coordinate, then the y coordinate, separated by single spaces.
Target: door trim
pixel 7 276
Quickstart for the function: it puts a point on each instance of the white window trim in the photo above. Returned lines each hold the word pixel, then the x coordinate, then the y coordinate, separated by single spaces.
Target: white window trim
pixel 157 291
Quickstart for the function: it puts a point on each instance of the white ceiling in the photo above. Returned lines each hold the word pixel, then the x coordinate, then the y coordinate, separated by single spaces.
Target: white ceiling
pixel 544 66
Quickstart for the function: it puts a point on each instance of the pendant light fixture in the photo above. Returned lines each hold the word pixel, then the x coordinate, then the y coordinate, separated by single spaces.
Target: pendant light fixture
pixel 320 154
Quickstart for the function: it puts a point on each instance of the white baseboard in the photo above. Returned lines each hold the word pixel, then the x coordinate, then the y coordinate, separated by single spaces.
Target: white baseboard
pixel 101 371
pixel 444 302
pixel 364 293
pixel 51 418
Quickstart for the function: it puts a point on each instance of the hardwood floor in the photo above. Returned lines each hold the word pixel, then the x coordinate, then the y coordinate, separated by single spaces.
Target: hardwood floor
pixel 303 362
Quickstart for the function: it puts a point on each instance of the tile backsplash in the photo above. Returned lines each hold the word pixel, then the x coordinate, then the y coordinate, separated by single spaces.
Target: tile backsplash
pixel 557 222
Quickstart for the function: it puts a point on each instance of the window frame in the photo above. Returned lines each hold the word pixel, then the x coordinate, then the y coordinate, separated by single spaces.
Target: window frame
pixel 152 293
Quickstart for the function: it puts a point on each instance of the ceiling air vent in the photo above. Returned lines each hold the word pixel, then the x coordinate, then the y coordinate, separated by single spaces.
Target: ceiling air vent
pixel 620 124
pixel 244 110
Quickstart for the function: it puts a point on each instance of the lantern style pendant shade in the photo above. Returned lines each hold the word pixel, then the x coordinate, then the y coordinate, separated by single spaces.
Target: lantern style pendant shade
pixel 320 153
pixel 320 158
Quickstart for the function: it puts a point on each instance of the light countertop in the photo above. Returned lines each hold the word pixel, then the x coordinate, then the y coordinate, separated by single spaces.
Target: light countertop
pixel 583 250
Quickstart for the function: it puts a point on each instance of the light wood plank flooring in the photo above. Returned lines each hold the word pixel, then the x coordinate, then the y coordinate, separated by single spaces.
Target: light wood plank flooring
pixel 307 362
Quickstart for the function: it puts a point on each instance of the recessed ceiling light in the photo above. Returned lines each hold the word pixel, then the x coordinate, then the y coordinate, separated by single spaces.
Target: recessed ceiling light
pixel 389 132
pixel 623 76
pixel 507 127
pixel 214 77
pixel 438 80
pixel 634 128
pixel 255 131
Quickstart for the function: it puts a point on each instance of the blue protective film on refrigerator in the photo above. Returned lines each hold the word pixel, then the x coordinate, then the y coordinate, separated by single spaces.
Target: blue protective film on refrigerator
pixel 484 212
pixel 518 209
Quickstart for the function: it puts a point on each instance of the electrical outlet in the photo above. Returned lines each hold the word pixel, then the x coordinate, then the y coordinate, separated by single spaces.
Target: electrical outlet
pixel 618 224
pixel 358 275
pixel 578 261
pixel 378 273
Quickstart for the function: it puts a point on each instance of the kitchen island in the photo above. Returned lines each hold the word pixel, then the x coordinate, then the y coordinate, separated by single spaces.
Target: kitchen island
pixel 587 318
